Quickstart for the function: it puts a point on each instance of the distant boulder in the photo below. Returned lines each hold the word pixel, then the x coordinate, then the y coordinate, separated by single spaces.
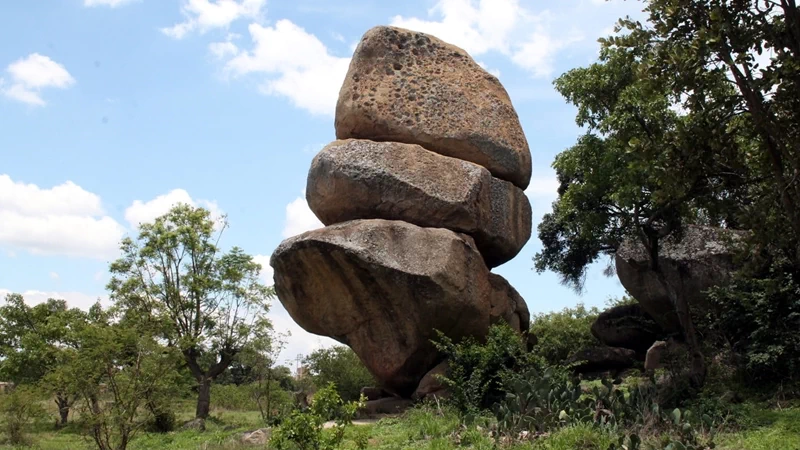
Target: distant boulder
pixel 702 259
pixel 602 359
pixel 626 326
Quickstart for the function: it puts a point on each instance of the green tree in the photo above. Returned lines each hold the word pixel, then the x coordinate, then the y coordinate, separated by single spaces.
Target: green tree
pixel 754 47
pixel 118 372
pixel 339 365
pixel 34 341
pixel 559 334
pixel 207 303
pixel 262 356
pixel 670 140
pixel 19 409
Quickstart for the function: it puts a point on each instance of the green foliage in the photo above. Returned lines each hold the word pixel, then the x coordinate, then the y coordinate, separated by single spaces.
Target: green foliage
pixel 559 334
pixel 123 378
pixel 538 401
pixel 35 341
pixel 233 397
pixel 19 409
pixel 477 369
pixel 303 430
pixel 759 316
pixel 339 365
pixel 206 303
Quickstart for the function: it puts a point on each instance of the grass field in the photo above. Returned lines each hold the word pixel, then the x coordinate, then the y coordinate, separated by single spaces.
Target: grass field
pixel 419 428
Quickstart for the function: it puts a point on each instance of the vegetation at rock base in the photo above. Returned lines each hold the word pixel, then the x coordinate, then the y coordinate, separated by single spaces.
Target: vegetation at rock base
pixel 339 365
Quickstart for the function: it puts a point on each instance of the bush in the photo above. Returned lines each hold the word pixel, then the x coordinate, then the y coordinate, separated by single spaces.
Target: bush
pixel 232 397
pixel 759 316
pixel 560 334
pixel 19 409
pixel 341 366
pixel 304 430
pixel 476 374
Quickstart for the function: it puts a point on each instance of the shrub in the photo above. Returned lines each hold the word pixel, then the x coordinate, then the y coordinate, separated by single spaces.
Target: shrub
pixel 304 430
pixel 18 410
pixel 233 397
pixel 559 334
pixel 476 374
pixel 341 366
pixel 760 317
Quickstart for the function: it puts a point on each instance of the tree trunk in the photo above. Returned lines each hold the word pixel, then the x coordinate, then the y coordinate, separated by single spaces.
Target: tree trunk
pixel 203 398
pixel 697 370
pixel 63 409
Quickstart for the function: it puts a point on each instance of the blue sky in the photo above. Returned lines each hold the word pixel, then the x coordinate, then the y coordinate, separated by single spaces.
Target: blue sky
pixel 112 110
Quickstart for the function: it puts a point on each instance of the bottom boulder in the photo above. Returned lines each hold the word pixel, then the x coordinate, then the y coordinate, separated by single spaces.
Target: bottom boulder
pixel 383 287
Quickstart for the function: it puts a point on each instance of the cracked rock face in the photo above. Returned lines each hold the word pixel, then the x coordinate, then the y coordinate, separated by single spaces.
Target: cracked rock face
pixel 363 179
pixel 410 87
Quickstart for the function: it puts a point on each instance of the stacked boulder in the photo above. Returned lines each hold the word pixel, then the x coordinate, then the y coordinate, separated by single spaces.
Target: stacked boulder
pixel 421 195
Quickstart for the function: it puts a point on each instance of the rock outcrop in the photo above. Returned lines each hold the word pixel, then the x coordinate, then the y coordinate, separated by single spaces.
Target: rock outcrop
pixel 626 326
pixel 362 179
pixel 411 87
pixel 601 359
pixel 421 195
pixel 703 258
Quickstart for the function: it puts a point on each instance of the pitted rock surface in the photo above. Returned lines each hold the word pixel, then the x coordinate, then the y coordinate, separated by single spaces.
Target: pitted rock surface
pixel 701 259
pixel 382 288
pixel 363 179
pixel 410 87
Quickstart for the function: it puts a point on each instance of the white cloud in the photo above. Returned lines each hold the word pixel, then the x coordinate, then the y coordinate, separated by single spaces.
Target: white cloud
pixel 222 50
pixel 144 212
pixel 33 73
pixel 73 299
pixel 62 220
pixel 502 26
pixel 301 342
pixel 475 28
pixel 542 192
pixel 266 269
pixel 204 15
pixel 537 54
pixel 543 187
pixel 299 218
pixel 109 3
pixel 295 64
pixel 54 275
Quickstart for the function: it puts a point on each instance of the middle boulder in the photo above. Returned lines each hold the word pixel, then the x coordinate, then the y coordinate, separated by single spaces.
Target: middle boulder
pixel 362 179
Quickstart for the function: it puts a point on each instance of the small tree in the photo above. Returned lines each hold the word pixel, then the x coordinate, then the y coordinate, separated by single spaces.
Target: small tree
pixel 18 410
pixel 209 304
pixel 339 365
pixel 34 341
pixel 118 370
pixel 262 359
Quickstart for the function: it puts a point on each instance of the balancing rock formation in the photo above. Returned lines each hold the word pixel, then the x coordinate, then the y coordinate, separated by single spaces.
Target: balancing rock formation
pixel 421 195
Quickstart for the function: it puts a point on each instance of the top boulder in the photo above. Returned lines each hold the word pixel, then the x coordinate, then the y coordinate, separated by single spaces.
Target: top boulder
pixel 410 87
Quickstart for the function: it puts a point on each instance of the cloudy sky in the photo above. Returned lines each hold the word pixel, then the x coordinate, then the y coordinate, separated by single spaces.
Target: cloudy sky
pixel 113 110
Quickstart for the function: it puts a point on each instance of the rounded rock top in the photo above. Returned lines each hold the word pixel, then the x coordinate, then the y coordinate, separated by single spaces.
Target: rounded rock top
pixel 411 87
